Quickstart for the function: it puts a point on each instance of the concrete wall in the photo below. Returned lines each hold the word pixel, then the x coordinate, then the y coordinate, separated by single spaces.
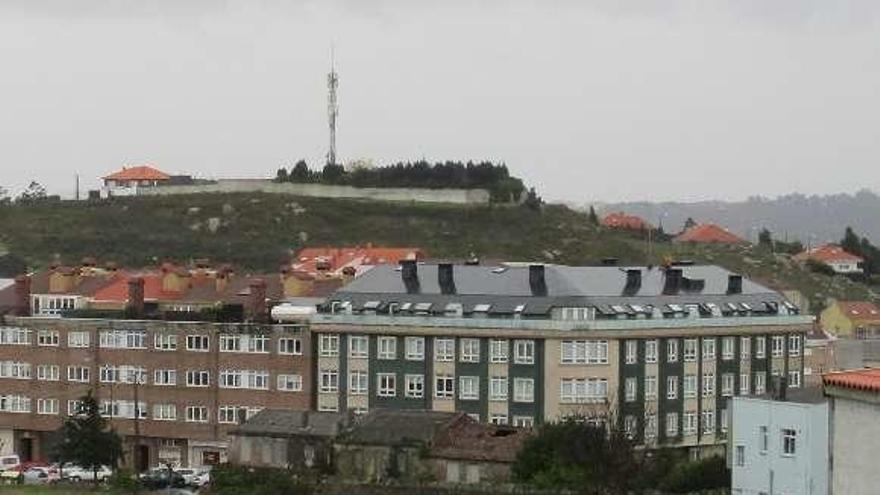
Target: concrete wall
pixel 856 445
pixel 457 196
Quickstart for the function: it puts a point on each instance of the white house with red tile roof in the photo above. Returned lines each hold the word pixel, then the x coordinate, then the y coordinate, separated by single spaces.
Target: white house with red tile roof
pixel 126 182
pixel 834 256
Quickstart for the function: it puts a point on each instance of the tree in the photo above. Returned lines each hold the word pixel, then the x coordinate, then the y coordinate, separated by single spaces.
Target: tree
pixel 300 172
pixel 851 242
pixel 4 196
pixel 689 223
pixel 332 174
pixel 86 439
pixel 765 238
pixel 533 201
pixel 281 175
pixel 594 219
pixel 34 192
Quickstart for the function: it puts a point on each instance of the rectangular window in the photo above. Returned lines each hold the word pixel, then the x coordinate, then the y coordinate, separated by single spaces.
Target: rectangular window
pixel 498 352
pixel 197 414
pixel 583 390
pixel 708 348
pixel 690 350
pixel 415 386
pixel 739 456
pixel 789 442
pixel 584 352
pixel 727 380
pixel 690 423
pixel 745 344
pixel 672 351
pixel 708 384
pixel 387 384
pixel 77 339
pixel 245 379
pixel 165 377
pixel 671 424
pixel 123 339
pixel 778 345
pixel 708 421
pixel 198 378
pixel 523 390
pixel 47 338
pixel 630 425
pixel 498 419
pixel 15 369
pixel 289 383
pixel 632 351
pixel 498 388
pixel 650 425
pixel 689 389
pixel 744 387
pixel 47 406
pixel 290 346
pixel 794 379
pixel 249 344
pixel 727 348
pixel 760 383
pixel 386 347
pixel 468 388
pixel 523 421
pixel 631 389
pixel 444 386
pixel 358 346
pixel 794 345
pixel 650 387
pixel 165 341
pixel 650 351
pixel 444 349
pixel 725 419
pixel 763 438
pixel 78 374
pixel 15 336
pixel 198 343
pixel 328 345
pixel 524 351
pixel 329 381
pixel 74 407
pixel 48 372
pixel 123 409
pixel 760 347
pixel 164 412
pixel 470 351
pixel 671 387
pixel 122 374
pixel 415 348
pixel 358 383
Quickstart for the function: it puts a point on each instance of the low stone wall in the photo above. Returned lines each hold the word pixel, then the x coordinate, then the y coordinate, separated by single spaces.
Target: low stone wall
pixel 456 196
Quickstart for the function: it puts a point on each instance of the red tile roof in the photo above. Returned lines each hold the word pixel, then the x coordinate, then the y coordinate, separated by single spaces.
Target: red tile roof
pixel 332 260
pixel 829 253
pixel 118 290
pixel 621 220
pixel 865 379
pixel 860 311
pixel 141 172
pixel 709 233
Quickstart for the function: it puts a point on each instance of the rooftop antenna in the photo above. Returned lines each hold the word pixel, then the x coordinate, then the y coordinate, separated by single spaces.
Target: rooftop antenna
pixel 77 186
pixel 332 107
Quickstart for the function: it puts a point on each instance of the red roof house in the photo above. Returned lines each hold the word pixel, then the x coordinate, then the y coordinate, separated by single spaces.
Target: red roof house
pixel 334 261
pixel 620 220
pixel 834 256
pixel 126 181
pixel 709 233
pixel 867 380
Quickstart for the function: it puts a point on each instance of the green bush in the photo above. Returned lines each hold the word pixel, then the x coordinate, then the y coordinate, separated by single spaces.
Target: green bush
pixel 124 481
pixel 820 268
pixel 705 474
pixel 233 480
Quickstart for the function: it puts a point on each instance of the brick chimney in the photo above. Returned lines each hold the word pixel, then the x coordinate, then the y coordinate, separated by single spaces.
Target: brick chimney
pixel 256 306
pixel 23 295
pixel 135 306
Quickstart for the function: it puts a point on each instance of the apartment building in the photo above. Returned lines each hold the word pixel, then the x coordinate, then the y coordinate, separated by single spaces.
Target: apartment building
pixel 661 349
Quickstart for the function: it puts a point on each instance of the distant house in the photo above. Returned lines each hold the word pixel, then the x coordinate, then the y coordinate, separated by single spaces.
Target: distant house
pixel 709 233
pixel 834 256
pixel 620 220
pixel 852 319
pixel 126 182
pixel 819 356
pixel 336 262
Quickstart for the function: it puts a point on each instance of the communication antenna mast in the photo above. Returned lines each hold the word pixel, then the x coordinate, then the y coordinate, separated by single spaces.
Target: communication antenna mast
pixel 332 107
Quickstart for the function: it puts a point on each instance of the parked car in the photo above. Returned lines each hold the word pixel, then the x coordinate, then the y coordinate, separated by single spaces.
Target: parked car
pixel 162 478
pixel 76 473
pixel 188 475
pixel 40 475
pixel 202 478
pixel 8 462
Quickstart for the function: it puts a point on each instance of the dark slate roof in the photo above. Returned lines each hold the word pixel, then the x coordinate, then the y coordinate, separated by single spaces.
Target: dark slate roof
pixel 400 427
pixel 507 286
pixel 288 423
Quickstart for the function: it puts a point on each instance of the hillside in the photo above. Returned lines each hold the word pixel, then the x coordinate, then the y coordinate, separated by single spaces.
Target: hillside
pixel 259 232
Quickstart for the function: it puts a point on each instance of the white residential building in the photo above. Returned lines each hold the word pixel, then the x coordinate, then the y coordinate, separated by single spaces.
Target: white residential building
pixel 855 425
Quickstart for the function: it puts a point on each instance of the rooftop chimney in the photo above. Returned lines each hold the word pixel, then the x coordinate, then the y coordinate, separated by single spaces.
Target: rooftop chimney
pixel 23 295
pixel 673 281
pixel 734 284
pixel 256 305
pixel 135 306
pixel 446 278
pixel 537 282
pixel 633 281
pixel 409 272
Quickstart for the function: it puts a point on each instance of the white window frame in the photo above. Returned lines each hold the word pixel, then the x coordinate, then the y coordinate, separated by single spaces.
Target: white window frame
pixel 672 351
pixel 690 350
pixel 198 378
pixel 79 374
pixel 469 350
pixel 198 343
pixel 358 382
pixel 444 349
pixel 444 386
pixel 289 346
pixel 631 389
pixel 289 382
pixel 386 384
pixel 672 387
pixel 524 390
pixel 415 348
pixel 469 387
pixel 48 338
pixel 48 372
pixel 165 412
pixel 650 387
pixel 727 384
pixel 414 386
pixel 328 345
pixel 499 351
pixel 651 351
pixel 745 345
pixel 47 406
pixel 794 345
pixel 524 352
pixel 709 348
pixel 386 348
pixel 671 424
pixel 708 384
pixel 197 414
pixel 328 381
pixel 744 384
pixel 498 388
pixel 358 346
pixel 778 346
pixel 165 377
pixel 631 348
pixel 789 442
pixel 760 347
pixel 78 339
pixel 728 348
pixel 689 386
pixel 165 341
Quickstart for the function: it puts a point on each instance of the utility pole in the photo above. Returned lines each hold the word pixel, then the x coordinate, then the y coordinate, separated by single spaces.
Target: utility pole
pixel 76 195
pixel 332 108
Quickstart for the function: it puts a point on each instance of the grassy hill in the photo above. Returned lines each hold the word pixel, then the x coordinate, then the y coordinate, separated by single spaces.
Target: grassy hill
pixel 261 231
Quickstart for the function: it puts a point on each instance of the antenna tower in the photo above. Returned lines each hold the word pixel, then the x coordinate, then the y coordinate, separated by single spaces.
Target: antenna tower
pixel 332 108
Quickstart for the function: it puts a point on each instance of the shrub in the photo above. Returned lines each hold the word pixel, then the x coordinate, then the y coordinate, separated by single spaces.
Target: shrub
pixel 234 480
pixel 705 474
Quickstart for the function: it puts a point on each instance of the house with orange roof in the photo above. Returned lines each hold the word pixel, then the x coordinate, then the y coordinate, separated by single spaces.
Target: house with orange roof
pixel 709 233
pixel 621 220
pixel 851 319
pixel 339 262
pixel 834 256
pixel 126 182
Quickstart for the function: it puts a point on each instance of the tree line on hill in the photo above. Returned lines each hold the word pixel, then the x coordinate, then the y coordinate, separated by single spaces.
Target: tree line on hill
pixel 502 187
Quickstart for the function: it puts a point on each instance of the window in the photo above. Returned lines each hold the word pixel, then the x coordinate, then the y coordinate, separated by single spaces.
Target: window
pixel 415 386
pixel 74 407
pixel 789 442
pixel 631 389
pixel 122 339
pixel 778 345
pixel 690 350
pixel 630 425
pixel 631 351
pixel 760 382
pixel 744 384
pixel 498 388
pixel 250 344
pixel 650 425
pixel 164 412
pixel 689 388
pixel 444 386
pixel 727 344
pixel 165 377
pixel 524 351
pixel 523 390
pixel 77 339
pixel 386 348
pixel 165 341
pixel 444 349
pixel 498 351
pixel 708 384
pixel 708 421
pixel 671 424
pixel 672 351
pixel 794 379
pixel 387 384
pixel 650 351
pixel 671 387
pixel 357 346
pixel 122 374
pixel 289 383
pixel 123 409
pixel 329 381
pixel 15 336
pixel 328 345
pixel 727 380
pixel 358 383
pixel 245 379
pixel 15 404
pixel 235 414
pixel 415 348
pixel 290 346
pixel 78 374
pixel 47 406
pixel 523 421
pixel 739 455
pixel 650 387
pixel 47 338
pixel 197 343
pixel 745 344
pixel 708 348
pixel 585 352
pixel 794 345
pixel 48 372
pixel 583 390
pixel 725 419
pixel 15 369
pixel 468 387
pixel 470 351
pixel 763 438
pixel 197 414
pixel 760 347
pixel 498 419
pixel 690 423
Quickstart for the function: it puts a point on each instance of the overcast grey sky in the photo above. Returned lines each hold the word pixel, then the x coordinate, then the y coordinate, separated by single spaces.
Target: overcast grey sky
pixel 587 100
